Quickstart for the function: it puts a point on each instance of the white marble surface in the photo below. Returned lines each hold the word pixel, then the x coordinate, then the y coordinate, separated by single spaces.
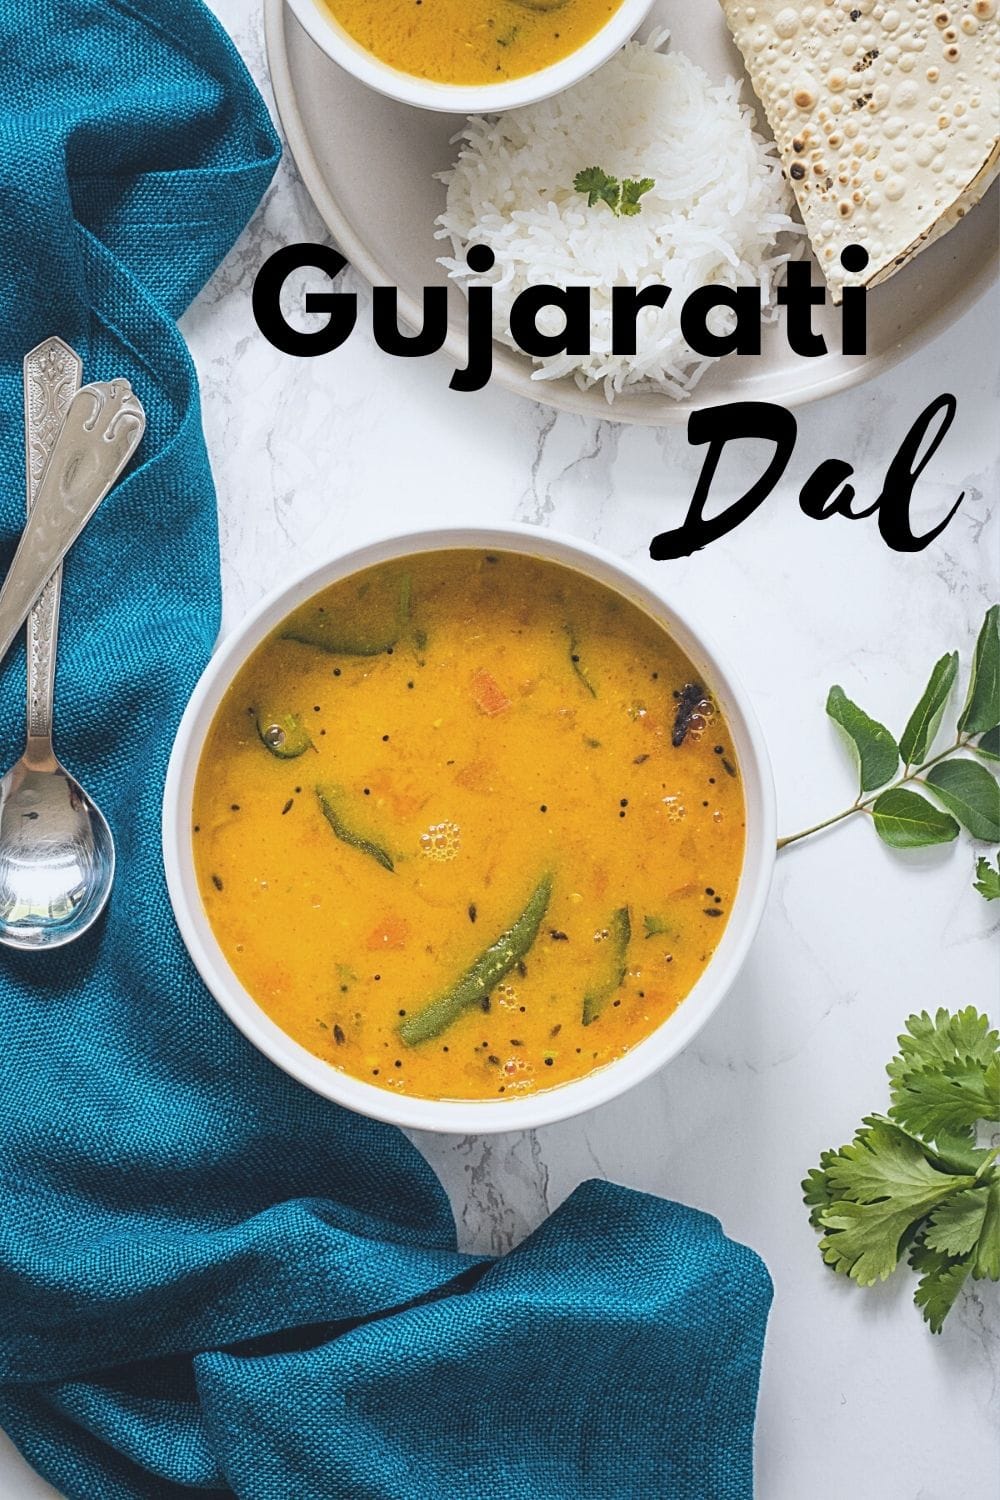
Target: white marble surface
pixel 857 1397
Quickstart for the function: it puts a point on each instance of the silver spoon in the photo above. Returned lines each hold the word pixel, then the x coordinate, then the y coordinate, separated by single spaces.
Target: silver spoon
pixel 57 856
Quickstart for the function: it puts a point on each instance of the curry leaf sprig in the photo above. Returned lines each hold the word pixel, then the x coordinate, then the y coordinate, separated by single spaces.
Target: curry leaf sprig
pixel 621 197
pixel 915 1182
pixel 958 778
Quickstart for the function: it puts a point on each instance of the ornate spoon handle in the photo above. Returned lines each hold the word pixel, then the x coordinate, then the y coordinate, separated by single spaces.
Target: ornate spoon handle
pixel 102 429
pixel 52 373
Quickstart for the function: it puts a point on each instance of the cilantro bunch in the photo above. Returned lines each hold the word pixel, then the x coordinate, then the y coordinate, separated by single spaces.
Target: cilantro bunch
pixel 915 1182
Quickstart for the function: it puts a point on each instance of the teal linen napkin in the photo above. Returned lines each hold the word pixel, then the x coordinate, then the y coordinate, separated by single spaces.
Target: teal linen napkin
pixel 210 1280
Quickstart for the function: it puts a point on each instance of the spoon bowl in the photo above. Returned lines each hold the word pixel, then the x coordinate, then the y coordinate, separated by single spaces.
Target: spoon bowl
pixel 57 857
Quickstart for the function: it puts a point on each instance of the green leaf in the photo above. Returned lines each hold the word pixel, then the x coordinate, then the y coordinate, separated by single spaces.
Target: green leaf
pixel 885 1187
pixel 941 1049
pixel 905 820
pixel 816 1192
pixel 863 1241
pixel 969 791
pixel 598 186
pixel 619 936
pixel 982 705
pixel 655 926
pixel 987 1262
pixel 989 743
pixel 878 753
pixel 925 720
pixel 632 191
pixel 955 1225
pixel 330 799
pixel 579 669
pixel 956 1152
pixel 945 1099
pixel 939 1285
pixel 987 881
pixel 946 1038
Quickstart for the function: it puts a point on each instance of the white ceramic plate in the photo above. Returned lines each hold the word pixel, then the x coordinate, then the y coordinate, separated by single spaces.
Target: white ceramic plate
pixel 369 164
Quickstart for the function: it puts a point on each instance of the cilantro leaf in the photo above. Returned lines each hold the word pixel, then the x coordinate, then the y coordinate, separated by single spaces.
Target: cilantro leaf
pixel 940 1282
pixel 987 881
pixel 816 1192
pixel 599 187
pixel 947 1075
pixel 987 1261
pixel 632 191
pixel 947 1099
pixel 947 1038
pixel 885 1186
pixel 956 1224
pixel 881 1157
pixel 957 1153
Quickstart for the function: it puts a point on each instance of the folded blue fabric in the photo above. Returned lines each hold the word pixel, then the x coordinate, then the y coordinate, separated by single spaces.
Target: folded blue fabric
pixel 211 1280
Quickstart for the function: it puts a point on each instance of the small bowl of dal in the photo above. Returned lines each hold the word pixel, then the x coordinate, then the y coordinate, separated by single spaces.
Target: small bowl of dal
pixel 468 830
pixel 469 56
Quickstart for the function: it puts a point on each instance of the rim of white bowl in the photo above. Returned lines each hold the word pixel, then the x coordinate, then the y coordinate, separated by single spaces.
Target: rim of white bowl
pixel 471 1116
pixel 468 99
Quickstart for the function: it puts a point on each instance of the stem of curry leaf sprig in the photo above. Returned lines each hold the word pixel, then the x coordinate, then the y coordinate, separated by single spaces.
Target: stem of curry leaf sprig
pixel 962 742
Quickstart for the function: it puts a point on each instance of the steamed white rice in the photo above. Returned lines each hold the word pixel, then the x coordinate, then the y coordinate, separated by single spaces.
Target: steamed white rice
pixel 716 214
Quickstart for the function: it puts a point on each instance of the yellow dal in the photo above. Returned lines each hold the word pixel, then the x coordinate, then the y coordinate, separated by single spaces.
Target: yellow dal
pixel 479 757
pixel 471 41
